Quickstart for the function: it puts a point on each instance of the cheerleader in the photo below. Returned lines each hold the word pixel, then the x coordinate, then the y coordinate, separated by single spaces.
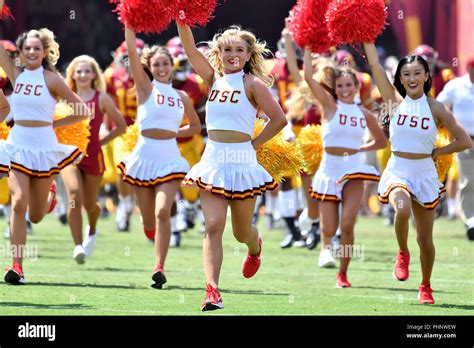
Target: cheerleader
pixel 155 165
pixel 228 173
pixel 82 182
pixel 410 181
pixel 339 179
pixel 34 152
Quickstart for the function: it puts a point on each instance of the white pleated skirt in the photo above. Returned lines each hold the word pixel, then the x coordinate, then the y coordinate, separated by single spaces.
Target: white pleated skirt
pixel 230 170
pixel 335 171
pixel 417 176
pixel 4 160
pixel 153 162
pixel 36 152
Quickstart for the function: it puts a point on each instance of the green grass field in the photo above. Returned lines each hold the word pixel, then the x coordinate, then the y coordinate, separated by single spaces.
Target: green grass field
pixel 116 279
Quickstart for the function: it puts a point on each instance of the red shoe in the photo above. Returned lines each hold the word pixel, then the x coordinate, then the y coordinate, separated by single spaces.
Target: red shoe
pixel 150 234
pixel 158 277
pixel 14 275
pixel 213 299
pixel 425 294
pixel 400 271
pixel 53 203
pixel 251 263
pixel 341 281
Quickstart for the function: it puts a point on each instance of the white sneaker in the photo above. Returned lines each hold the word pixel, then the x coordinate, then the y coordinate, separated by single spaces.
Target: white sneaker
pixel 299 243
pixel 326 260
pixel 78 254
pixel 89 242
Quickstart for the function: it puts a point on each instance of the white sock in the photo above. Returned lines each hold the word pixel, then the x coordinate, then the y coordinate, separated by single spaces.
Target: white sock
pixel 451 202
pixel 287 203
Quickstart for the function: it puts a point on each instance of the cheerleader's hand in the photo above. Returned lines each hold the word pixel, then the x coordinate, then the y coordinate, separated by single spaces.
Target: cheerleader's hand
pixel 435 154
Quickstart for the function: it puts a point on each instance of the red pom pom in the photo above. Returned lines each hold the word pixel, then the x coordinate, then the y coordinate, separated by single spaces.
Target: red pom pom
pixel 6 13
pixel 356 21
pixel 145 16
pixel 308 25
pixel 195 12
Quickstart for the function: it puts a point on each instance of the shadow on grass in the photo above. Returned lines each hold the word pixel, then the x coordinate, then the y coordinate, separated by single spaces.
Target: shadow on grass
pixel 46 306
pixel 401 289
pixel 227 291
pixel 454 306
pixel 84 285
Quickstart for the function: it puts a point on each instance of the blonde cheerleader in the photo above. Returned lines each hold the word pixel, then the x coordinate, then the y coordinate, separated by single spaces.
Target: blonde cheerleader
pixel 410 181
pixel 155 166
pixel 82 182
pixel 339 179
pixel 34 152
pixel 228 173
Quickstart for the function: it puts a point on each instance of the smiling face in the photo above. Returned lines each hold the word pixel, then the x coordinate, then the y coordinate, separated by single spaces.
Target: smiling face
pixel 83 75
pixel 413 77
pixel 32 53
pixel 234 54
pixel 346 89
pixel 161 67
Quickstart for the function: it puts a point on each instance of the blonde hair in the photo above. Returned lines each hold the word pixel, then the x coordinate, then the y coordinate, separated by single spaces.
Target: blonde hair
pixel 257 49
pixel 328 75
pixel 50 45
pixel 97 83
pixel 150 52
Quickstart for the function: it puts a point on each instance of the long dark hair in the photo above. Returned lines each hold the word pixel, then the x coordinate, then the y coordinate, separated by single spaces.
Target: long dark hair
pixel 385 114
pixel 407 60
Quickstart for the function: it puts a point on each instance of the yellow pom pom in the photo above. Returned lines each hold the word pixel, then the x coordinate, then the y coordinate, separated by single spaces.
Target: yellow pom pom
pixel 4 131
pixel 131 138
pixel 76 134
pixel 444 162
pixel 279 157
pixel 310 143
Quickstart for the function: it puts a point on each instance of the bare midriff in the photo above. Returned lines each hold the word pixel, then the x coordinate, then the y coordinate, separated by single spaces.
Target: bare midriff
pixel 159 134
pixel 410 155
pixel 340 151
pixel 28 123
pixel 227 136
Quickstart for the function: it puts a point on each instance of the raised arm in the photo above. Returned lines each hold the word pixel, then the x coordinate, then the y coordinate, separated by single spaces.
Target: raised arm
pixel 291 60
pixel 143 83
pixel 6 62
pixel 265 101
pixel 194 124
pixel 387 90
pixel 324 98
pixel 108 107
pixel 197 59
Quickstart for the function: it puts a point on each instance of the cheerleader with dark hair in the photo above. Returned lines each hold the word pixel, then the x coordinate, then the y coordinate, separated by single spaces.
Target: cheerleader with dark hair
pixel 410 181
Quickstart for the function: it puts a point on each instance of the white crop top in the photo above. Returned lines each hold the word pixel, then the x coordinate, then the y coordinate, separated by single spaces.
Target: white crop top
pixel 31 100
pixel 412 127
pixel 228 107
pixel 346 128
pixel 164 109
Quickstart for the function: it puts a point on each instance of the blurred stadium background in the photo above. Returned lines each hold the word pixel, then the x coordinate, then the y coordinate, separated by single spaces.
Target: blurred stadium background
pixel 90 27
